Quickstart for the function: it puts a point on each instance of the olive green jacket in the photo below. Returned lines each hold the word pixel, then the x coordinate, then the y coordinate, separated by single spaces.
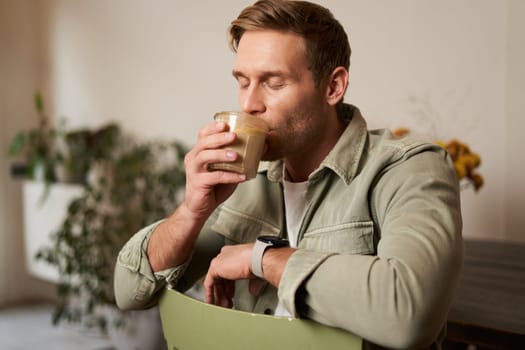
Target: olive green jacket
pixel 379 250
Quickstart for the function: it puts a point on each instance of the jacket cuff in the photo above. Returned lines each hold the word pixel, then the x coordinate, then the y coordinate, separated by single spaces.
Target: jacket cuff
pixel 299 268
pixel 133 255
pixel 172 275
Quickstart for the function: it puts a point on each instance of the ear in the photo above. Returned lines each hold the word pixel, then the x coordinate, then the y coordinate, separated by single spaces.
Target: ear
pixel 336 85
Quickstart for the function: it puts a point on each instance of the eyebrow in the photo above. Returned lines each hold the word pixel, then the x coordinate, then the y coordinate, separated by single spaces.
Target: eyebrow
pixel 265 75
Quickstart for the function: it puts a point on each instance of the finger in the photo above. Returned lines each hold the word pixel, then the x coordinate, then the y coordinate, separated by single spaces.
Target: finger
pixel 207 143
pixel 200 161
pixel 220 155
pixel 229 289
pixel 226 302
pixel 209 293
pixel 215 140
pixel 221 177
pixel 256 285
pixel 221 296
pixel 217 295
pixel 213 128
pixel 202 164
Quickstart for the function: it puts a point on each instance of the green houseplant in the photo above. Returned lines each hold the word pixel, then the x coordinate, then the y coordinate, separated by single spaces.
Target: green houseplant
pixel 136 184
pixel 127 184
pixel 51 154
pixel 83 147
pixel 37 148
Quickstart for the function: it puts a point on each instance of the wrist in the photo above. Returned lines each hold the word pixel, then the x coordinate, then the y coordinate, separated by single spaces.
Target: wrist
pixel 262 246
pixel 274 262
pixel 189 216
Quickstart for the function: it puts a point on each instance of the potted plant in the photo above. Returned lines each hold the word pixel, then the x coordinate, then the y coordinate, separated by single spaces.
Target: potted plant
pixel 124 184
pixel 130 187
pixel 52 154
pixel 54 164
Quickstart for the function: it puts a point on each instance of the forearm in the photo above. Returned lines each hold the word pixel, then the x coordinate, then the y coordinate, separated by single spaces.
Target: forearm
pixel 400 296
pixel 136 284
pixel 171 243
pixel 391 302
pixel 274 262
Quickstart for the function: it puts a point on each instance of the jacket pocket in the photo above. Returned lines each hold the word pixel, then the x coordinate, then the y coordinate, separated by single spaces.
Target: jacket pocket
pixel 349 238
pixel 242 228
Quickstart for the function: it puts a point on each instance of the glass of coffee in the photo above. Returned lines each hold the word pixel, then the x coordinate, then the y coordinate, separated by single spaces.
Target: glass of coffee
pixel 249 144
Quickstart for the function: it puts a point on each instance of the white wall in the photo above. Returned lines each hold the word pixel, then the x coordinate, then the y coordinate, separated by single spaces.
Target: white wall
pixel 162 68
pixel 19 66
pixel 514 192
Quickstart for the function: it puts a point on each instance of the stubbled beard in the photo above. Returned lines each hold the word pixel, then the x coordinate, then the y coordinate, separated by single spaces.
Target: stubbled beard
pixel 270 154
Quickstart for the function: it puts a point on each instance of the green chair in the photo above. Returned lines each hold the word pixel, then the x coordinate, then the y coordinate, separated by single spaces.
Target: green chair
pixel 190 324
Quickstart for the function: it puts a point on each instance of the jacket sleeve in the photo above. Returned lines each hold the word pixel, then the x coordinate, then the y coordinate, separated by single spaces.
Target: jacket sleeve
pixel 137 286
pixel 400 297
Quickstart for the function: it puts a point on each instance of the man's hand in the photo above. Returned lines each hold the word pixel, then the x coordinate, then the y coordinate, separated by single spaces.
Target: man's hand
pixel 172 241
pixel 205 189
pixel 234 263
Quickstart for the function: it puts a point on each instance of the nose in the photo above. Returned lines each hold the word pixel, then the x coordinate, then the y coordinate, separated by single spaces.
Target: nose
pixel 251 100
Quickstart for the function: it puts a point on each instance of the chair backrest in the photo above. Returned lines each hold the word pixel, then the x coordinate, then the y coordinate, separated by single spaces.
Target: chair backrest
pixel 190 324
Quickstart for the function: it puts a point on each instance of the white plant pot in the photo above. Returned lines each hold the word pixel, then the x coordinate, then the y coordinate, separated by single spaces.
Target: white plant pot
pixel 142 330
pixel 43 215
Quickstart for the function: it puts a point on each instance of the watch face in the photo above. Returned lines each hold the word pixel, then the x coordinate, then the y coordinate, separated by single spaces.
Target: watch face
pixel 274 241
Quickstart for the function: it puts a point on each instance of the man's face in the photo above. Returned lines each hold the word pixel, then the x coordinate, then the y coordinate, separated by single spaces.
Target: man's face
pixel 276 85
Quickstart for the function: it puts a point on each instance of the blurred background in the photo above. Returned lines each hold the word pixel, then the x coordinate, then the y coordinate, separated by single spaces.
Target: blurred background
pixel 160 69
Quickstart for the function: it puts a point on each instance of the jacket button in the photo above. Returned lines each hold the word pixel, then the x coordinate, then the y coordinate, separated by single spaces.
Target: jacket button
pixel 268 311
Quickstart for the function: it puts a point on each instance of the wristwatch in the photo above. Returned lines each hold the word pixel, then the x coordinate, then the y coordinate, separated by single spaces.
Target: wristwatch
pixel 261 244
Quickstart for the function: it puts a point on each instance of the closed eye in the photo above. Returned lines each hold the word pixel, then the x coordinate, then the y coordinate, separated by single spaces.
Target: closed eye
pixel 275 85
pixel 243 82
pixel 275 80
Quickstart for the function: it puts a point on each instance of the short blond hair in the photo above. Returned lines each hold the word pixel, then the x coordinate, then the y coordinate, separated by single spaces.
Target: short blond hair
pixel 327 45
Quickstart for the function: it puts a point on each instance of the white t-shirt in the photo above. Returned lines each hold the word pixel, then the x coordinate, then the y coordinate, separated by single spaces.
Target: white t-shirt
pixel 295 208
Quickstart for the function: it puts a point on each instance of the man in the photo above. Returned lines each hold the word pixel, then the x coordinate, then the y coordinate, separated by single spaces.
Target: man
pixel 373 222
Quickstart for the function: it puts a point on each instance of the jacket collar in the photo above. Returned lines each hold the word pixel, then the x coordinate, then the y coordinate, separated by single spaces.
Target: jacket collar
pixel 343 159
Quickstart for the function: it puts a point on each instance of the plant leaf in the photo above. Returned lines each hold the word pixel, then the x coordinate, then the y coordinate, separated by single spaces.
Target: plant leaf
pixel 39 103
pixel 17 144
